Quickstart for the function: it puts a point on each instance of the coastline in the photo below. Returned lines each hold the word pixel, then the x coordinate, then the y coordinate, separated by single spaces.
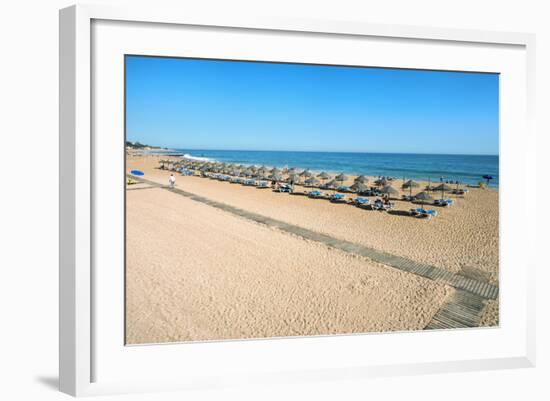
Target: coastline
pixel 397 165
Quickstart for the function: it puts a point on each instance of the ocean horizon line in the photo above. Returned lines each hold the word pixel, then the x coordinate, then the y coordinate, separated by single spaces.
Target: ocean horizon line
pixel 325 151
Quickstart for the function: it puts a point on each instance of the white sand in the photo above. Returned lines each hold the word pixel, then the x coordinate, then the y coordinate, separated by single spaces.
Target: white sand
pixel 197 273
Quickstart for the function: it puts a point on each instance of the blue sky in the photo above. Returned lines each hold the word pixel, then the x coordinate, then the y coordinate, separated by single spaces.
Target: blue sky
pixel 210 104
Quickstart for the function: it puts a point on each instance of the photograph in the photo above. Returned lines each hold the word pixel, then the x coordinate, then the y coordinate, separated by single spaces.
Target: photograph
pixel 273 199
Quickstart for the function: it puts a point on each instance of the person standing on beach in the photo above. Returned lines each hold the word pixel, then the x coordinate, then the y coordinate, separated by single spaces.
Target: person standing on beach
pixel 172 181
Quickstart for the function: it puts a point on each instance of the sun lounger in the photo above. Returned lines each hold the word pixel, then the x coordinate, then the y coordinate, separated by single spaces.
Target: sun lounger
pixel 314 194
pixel 343 188
pixel 263 184
pixel 360 202
pixel 337 198
pixel 381 206
pixel 284 188
pixel 250 182
pixel 444 202
pixel 421 212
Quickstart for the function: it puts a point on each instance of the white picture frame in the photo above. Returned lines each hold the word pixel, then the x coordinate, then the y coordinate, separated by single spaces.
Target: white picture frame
pixel 79 344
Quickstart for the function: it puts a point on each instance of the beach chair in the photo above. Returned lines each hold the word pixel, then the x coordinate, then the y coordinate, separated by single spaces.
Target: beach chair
pixel 444 202
pixel 343 188
pixel 337 198
pixel 263 184
pixel 377 205
pixel 423 213
pixel 360 202
pixel 284 188
pixel 408 198
pixel 416 211
pixel 314 194
pixel 428 214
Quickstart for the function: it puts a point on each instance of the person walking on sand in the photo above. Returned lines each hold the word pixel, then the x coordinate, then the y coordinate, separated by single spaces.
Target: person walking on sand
pixel 172 181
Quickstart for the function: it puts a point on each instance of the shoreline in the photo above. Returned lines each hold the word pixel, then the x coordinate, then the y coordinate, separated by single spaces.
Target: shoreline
pixel 396 177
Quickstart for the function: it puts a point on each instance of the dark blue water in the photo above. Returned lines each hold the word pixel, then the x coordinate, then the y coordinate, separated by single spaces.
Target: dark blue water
pixel 467 169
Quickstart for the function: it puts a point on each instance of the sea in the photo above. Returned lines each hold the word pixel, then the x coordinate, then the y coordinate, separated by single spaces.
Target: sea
pixel 466 169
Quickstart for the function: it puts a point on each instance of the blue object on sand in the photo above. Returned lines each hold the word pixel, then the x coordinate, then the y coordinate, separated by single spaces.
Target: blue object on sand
pixel 137 172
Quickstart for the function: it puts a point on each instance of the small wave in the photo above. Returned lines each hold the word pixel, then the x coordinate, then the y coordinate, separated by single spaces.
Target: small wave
pixel 197 158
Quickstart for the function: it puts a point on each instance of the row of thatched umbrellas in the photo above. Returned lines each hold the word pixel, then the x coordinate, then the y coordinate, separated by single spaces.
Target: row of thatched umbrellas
pixel 293 177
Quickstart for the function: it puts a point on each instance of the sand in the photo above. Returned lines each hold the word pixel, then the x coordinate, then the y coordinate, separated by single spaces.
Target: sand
pixel 195 272
pixel 198 273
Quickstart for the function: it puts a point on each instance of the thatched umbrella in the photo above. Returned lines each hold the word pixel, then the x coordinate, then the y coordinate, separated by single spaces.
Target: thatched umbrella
pixel 285 170
pixel 305 173
pixel 443 188
pixel 275 177
pixel 312 181
pixel 359 187
pixel 389 190
pixel 293 178
pixel 274 170
pixel 331 184
pixel 341 178
pixel 323 176
pixel 362 179
pixel 423 196
pixel 410 185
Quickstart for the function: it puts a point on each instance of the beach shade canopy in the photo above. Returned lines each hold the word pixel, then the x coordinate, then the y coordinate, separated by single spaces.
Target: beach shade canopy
pixel 423 196
pixel 305 173
pixel 388 189
pixel 362 179
pixel 292 178
pixel 341 177
pixel 312 181
pixel 443 188
pixel 274 170
pixel 488 178
pixel 137 172
pixel 331 184
pixel 275 177
pixel 359 187
pixel 323 176
pixel 410 185
pixel 285 170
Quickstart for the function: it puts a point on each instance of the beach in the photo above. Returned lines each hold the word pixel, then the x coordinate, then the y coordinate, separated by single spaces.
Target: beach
pixel 196 272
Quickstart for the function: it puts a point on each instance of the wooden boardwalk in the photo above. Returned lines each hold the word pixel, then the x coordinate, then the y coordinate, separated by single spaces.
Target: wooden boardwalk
pixel 461 311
